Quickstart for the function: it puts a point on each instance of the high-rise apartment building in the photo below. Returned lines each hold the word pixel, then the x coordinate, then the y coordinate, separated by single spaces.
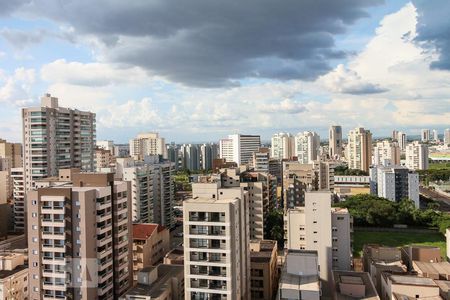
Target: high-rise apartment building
pixel 307 146
pixel 261 187
pixel 78 237
pixel 425 135
pixel 56 138
pixel 103 159
pixel 386 153
pixel 190 157
pixel 18 180
pixel 106 145
pixel 359 149
pixel 335 141
pixel 317 226
pixel 239 148
pixel 152 189
pixel 402 141
pixel 263 269
pixel 283 146
pixel 261 160
pixel 216 245
pixel 416 156
pixel 11 152
pixel 435 136
pixel 208 153
pixel 394 183
pixel 447 136
pixel 145 144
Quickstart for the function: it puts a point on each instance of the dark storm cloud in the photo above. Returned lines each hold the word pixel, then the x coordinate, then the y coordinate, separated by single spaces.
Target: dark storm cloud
pixel 433 29
pixel 213 43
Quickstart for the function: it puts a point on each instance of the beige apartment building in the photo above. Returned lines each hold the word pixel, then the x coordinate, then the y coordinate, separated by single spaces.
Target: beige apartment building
pixel 317 226
pixel 335 141
pixel 283 146
pixel 151 242
pixel 216 245
pixel 78 236
pixel 359 149
pixel 56 138
pixel 13 277
pixel 261 189
pixel 12 152
pixel 161 282
pixel 263 269
pixel 145 144
pixel 103 159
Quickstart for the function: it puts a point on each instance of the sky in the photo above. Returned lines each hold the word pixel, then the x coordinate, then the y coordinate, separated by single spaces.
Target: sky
pixel 198 70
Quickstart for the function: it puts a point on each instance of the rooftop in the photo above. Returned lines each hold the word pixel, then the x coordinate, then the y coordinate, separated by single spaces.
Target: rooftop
pixel 155 289
pixel 398 296
pixel 7 273
pixel 144 231
pixel 355 279
pixel 410 280
pixel 210 200
pixel 433 268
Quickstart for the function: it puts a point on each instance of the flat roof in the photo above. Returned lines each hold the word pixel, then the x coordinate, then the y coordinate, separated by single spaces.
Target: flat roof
pixel 433 268
pixel 410 280
pixel 165 274
pixel 355 278
pixel 7 273
pixel 210 200
pixel 398 296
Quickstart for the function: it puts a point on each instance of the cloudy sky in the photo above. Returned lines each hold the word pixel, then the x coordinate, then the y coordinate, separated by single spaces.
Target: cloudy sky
pixel 198 70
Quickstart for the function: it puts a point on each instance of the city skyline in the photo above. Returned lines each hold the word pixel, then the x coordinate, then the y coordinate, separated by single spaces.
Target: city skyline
pixel 368 64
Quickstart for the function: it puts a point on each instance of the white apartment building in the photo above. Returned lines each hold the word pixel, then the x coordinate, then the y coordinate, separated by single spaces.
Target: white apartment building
pixel 394 183
pixel 152 189
pixel 335 141
pixel 145 144
pixel 425 135
pixel 216 246
pixel 78 237
pixel 386 153
pixel 307 146
pixel 317 226
pixel 299 276
pixel 283 145
pixel 359 149
pixel 55 138
pixel 447 136
pixel 435 136
pixel 18 180
pixel 416 156
pixel 402 140
pixel 239 148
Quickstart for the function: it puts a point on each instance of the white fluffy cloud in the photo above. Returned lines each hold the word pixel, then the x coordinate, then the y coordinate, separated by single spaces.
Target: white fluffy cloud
pixel 16 88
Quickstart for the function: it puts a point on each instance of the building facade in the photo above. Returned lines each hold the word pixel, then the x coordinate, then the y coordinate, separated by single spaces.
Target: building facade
pixel 335 141
pixel 283 146
pixel 263 269
pixel 56 138
pixel 359 149
pixel 416 156
pixel 386 153
pixel 78 229
pixel 145 144
pixel 239 148
pixel 307 146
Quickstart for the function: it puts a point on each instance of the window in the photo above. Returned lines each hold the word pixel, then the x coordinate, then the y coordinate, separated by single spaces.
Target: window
pixel 34 215
pixel 33 202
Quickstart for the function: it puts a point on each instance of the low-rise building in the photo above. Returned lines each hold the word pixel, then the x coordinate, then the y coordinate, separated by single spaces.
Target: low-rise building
pixel 174 257
pixel 299 276
pixel 395 286
pixel 162 282
pixel 377 253
pixel 420 253
pixel 263 269
pixel 436 271
pixel 444 288
pixel 350 285
pixel 151 242
pixel 13 277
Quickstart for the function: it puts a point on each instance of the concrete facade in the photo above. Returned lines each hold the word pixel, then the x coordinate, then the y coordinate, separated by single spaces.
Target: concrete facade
pixel 149 143
pixel 335 141
pixel 263 269
pixel 416 156
pixel 359 149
